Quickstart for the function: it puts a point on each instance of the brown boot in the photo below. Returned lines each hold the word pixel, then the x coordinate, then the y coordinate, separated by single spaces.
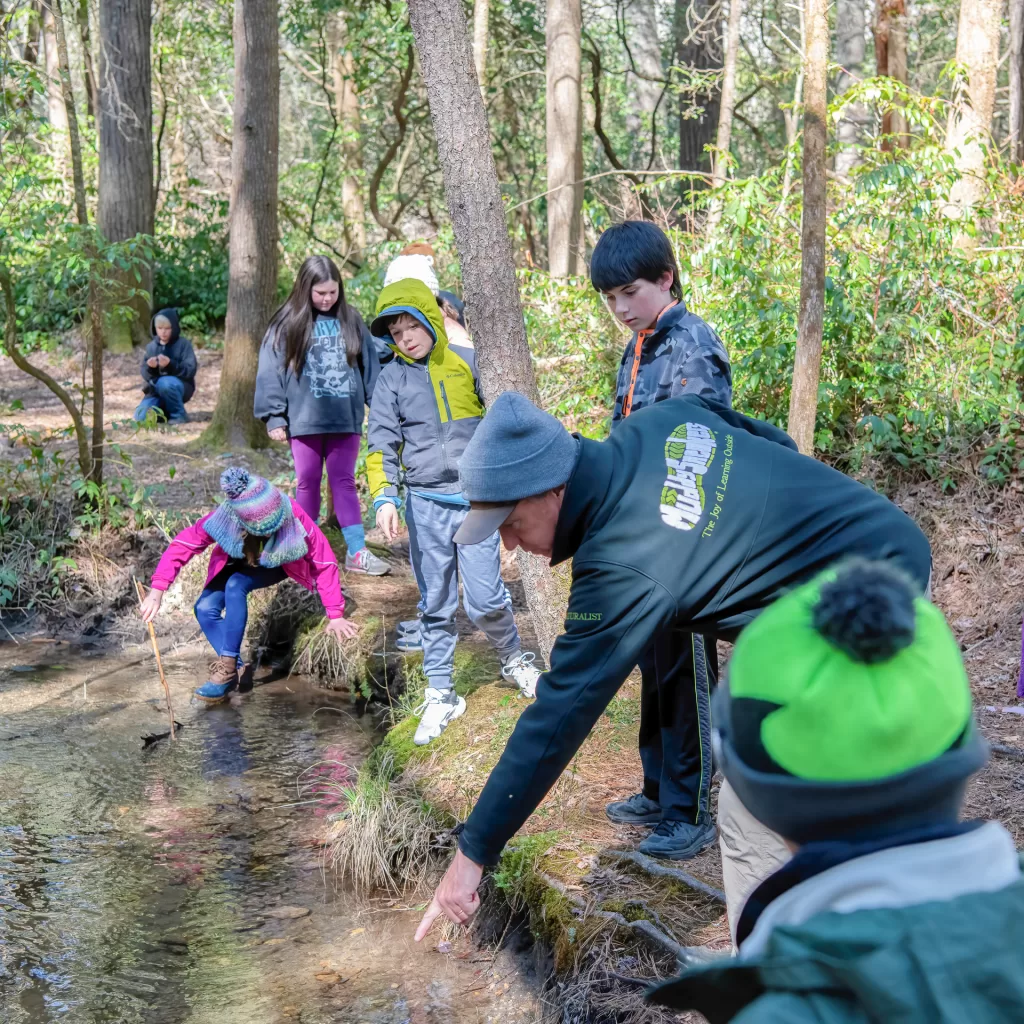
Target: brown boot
pixel 223 679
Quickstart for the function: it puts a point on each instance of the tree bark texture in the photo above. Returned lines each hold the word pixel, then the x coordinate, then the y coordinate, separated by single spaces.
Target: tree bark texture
pixel 346 104
pixel 645 82
pixel 696 45
pixel 481 25
pixel 727 106
pixel 252 257
pixel 85 37
pixel 564 137
pixel 803 403
pixel 82 212
pixel 851 21
pixel 126 139
pixel 55 112
pixel 890 32
pixel 1016 133
pixel 485 249
pixel 970 119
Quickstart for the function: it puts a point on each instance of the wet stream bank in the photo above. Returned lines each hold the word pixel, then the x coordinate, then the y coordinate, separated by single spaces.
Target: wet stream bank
pixel 185 882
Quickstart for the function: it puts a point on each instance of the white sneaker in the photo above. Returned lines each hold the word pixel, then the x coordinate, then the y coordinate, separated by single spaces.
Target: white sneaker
pixel 521 670
pixel 439 708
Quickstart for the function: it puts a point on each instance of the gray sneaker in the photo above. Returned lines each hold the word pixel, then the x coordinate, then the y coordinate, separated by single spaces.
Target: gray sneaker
pixel 408 626
pixel 367 562
pixel 636 810
pixel 678 840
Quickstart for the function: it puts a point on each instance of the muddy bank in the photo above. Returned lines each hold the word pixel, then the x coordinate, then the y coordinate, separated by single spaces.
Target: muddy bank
pixel 188 882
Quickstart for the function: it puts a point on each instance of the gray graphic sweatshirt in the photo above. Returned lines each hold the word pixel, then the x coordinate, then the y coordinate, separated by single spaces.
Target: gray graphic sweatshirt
pixel 329 396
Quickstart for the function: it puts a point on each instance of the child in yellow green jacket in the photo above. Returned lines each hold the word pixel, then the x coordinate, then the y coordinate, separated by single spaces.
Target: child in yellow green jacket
pixel 426 406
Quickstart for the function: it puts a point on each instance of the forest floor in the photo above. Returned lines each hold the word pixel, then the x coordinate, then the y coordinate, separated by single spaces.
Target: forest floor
pixel 566 870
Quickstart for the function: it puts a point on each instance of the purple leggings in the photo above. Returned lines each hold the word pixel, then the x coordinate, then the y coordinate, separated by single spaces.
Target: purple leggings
pixel 339 452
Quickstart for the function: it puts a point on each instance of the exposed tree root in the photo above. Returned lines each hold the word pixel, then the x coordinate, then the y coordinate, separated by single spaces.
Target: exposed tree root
pixel 652 867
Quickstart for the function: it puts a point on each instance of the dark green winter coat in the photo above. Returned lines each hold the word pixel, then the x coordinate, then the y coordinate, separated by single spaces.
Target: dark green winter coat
pixel 959 961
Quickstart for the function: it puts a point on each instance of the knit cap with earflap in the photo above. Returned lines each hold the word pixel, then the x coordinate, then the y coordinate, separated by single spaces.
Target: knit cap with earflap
pixel 255 506
pixel 417 262
pixel 847 710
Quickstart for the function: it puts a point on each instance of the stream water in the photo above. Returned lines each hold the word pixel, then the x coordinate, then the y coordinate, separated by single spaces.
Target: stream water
pixel 185 882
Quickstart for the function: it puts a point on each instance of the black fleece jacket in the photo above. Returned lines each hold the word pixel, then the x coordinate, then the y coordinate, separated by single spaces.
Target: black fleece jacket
pixel 689 516
pixel 179 351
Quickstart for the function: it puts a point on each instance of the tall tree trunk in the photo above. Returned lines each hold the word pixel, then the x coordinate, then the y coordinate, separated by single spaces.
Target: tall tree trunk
pixel 791 117
pixel 890 31
pixel 977 49
pixel 803 403
pixel 126 145
pixel 33 28
pixel 483 243
pixel 851 20
pixel 82 212
pixel 346 105
pixel 85 36
pixel 56 114
pixel 727 106
pixel 564 136
pixel 696 46
pixel 481 25
pixel 252 258
pixel 1016 134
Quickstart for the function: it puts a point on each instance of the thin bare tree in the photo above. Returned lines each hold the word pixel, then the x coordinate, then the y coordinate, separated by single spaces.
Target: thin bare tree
pixel 481 26
pixel 564 137
pixel 851 21
pixel 970 118
pixel 346 105
pixel 803 403
pixel 1015 136
pixel 890 32
pixel 728 105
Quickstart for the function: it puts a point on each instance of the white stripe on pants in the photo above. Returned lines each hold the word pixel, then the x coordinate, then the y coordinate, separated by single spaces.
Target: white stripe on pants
pixel 439 565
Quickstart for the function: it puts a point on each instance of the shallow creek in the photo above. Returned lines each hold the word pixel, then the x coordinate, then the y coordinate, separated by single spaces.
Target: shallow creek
pixel 185 882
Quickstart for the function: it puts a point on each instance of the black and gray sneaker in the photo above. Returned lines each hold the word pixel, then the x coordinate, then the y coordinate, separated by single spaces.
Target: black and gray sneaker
pixel 678 840
pixel 637 810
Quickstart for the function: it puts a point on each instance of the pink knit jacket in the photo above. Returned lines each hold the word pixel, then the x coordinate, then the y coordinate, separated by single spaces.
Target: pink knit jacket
pixel 317 570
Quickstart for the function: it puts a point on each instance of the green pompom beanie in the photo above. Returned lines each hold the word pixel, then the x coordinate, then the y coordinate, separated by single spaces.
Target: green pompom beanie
pixel 848 709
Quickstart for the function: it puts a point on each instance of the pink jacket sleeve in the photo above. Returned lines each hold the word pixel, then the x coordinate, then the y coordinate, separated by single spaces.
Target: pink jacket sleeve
pixel 323 564
pixel 184 547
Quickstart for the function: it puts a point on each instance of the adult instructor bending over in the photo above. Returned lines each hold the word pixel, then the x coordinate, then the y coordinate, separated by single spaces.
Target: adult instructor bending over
pixel 690 516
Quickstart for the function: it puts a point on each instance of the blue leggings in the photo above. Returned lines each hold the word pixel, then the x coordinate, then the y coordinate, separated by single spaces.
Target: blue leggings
pixel 223 607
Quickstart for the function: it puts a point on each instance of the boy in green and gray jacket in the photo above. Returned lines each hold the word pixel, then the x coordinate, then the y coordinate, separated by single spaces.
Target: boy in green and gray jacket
pixel 426 406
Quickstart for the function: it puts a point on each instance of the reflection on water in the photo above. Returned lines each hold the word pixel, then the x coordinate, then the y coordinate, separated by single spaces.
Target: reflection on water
pixel 134 884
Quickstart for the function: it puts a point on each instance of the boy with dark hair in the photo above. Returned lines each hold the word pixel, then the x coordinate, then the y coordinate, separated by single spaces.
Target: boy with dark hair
pixel 846 727
pixel 672 352
pixel 169 370
pixel 426 407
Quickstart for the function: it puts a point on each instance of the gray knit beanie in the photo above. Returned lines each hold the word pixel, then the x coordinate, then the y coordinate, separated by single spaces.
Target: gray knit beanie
pixel 517 451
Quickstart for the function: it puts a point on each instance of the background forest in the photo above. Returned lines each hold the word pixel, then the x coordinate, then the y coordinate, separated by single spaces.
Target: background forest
pixel 121 160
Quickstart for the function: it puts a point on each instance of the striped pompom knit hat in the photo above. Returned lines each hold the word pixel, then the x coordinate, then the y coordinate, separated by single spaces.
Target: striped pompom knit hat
pixel 255 506
pixel 259 505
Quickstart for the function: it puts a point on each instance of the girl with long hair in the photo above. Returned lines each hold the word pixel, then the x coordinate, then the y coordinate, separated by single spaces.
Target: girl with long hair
pixel 317 369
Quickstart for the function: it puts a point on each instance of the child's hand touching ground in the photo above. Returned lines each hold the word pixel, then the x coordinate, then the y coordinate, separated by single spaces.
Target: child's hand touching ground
pixel 387 520
pixel 151 605
pixel 343 629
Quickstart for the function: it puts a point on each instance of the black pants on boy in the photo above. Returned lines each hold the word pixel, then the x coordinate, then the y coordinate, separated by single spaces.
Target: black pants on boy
pixel 678 671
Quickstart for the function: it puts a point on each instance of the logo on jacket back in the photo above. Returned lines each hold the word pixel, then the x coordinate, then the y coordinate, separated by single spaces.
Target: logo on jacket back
pixel 689 451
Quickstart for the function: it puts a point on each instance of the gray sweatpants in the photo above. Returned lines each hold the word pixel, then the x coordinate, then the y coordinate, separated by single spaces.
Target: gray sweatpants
pixel 439 564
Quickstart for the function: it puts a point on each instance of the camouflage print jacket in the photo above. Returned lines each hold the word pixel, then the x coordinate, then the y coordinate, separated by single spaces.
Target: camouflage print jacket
pixel 681 355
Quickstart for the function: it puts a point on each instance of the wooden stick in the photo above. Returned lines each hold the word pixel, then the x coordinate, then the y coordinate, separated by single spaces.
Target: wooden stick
pixel 159 664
